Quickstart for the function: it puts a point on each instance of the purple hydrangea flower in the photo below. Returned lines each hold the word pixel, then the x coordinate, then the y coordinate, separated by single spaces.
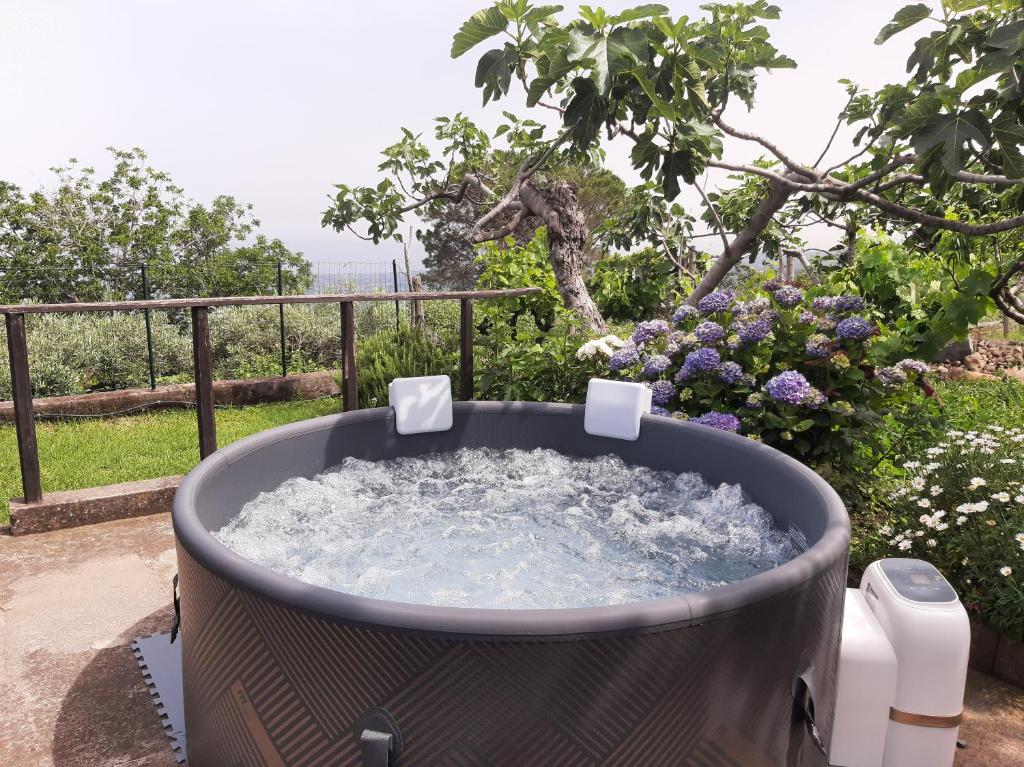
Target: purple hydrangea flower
pixel 914 366
pixel 822 303
pixel 890 378
pixel 658 410
pixel 855 328
pixel 709 332
pixel 655 365
pixel 774 284
pixel 789 387
pixel 625 357
pixel 645 332
pixel 662 392
pixel 826 323
pixel 753 332
pixel 820 346
pixel 683 313
pixel 723 421
pixel 848 303
pixel 755 401
pixel 702 359
pixel 730 372
pixel 789 296
pixel 807 318
pixel 719 301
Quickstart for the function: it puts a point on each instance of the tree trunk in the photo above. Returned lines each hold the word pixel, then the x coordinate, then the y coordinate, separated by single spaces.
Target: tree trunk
pixel 558 206
pixel 742 243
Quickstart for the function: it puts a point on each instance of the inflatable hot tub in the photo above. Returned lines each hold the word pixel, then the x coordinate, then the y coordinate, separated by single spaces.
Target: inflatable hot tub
pixel 279 672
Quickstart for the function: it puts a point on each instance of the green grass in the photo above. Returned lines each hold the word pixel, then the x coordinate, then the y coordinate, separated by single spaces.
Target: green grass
pixel 88 453
pixel 977 404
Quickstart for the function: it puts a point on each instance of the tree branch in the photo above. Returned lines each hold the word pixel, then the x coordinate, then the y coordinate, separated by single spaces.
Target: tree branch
pixel 790 163
pixel 718 219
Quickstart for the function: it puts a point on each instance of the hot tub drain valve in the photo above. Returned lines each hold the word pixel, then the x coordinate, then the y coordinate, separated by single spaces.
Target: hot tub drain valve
pixel 379 738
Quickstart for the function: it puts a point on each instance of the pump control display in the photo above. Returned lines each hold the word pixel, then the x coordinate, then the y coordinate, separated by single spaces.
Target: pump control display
pixel 917 581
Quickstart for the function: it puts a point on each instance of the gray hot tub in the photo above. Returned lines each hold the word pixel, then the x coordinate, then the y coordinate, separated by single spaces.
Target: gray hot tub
pixel 278 672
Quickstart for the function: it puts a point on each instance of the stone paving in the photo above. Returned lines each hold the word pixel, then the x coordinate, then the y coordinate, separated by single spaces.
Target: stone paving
pixel 71 695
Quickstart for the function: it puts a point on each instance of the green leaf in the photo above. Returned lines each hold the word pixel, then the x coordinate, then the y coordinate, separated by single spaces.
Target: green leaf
pixel 947 134
pixel 905 17
pixel 585 112
pixel 537 90
pixel 611 54
pixel 680 163
pixel 494 72
pixel 477 28
pixel 1009 135
pixel 918 112
pixel 661 107
pixel 640 12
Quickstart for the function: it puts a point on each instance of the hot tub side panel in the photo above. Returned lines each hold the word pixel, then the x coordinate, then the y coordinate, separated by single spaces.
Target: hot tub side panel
pixel 267 684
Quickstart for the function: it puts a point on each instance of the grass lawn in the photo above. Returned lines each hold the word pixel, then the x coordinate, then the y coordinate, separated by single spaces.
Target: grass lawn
pixel 977 404
pixel 87 453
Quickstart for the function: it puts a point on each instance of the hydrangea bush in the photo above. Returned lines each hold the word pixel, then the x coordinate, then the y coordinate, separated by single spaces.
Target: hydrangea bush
pixel 792 371
pixel 960 505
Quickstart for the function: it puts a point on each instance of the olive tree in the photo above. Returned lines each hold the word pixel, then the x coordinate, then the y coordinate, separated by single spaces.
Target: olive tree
pixel 669 86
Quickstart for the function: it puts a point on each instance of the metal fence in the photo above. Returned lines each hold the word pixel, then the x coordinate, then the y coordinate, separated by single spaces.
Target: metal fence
pixel 135 282
pixel 198 309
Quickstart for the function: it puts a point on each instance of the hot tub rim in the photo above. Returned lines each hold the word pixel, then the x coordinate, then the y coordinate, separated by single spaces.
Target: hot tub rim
pixel 459 622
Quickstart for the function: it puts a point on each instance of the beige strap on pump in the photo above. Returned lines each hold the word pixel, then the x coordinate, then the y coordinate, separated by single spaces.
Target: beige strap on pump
pixel 925 720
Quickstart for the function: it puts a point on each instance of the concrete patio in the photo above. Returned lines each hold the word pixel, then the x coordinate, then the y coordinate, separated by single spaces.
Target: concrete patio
pixel 71 694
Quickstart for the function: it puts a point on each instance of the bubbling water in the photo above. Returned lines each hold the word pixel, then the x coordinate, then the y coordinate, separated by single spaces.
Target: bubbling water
pixel 508 529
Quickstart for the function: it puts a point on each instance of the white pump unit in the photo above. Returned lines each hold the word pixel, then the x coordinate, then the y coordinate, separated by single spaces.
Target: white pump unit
pixel 902 669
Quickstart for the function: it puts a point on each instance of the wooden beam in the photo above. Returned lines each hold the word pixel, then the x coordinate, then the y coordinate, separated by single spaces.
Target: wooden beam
pixel 466 349
pixel 190 303
pixel 204 380
pixel 349 384
pixel 25 425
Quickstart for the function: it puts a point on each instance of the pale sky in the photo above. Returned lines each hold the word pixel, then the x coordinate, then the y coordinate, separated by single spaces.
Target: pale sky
pixel 274 101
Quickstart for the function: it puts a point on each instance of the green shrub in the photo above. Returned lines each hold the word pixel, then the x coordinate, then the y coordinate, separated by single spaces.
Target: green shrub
pixel 923 301
pixel 389 355
pixel 507 265
pixel 633 285
pixel 72 354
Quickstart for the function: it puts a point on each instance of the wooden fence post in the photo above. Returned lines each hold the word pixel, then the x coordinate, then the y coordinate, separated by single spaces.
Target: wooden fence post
pixel 349 386
pixel 204 380
pixel 25 425
pixel 466 349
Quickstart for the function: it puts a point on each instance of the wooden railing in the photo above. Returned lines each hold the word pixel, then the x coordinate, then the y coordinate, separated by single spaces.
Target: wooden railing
pixel 21 383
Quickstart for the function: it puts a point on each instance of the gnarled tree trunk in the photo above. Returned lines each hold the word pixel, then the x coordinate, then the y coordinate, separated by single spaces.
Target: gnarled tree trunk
pixel 558 207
